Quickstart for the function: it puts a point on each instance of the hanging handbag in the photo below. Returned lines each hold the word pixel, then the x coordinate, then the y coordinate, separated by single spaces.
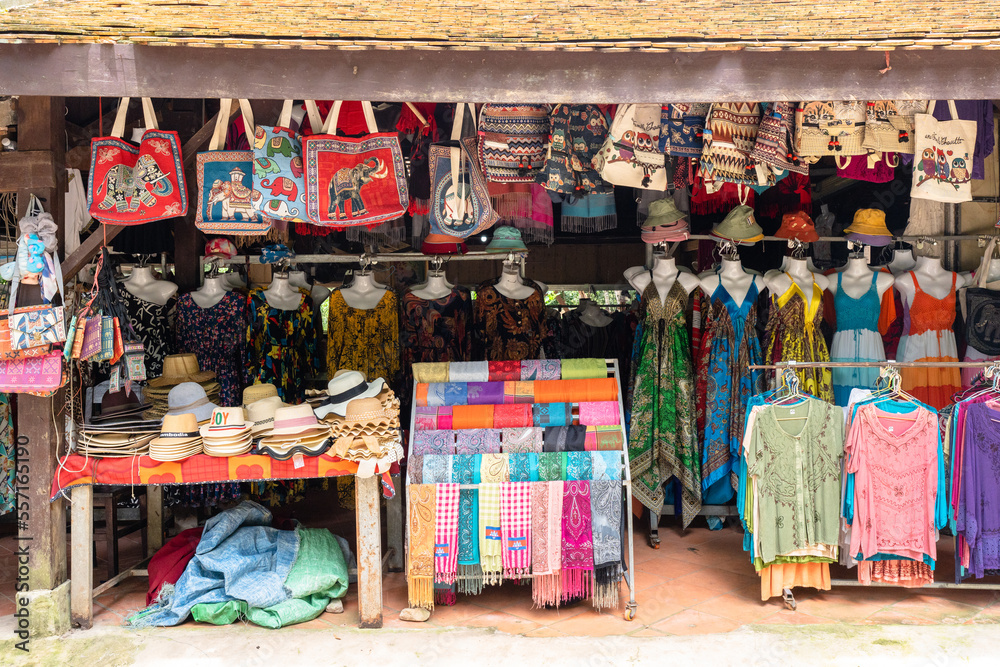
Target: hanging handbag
pixel 133 185
pixel 226 191
pixel 729 139
pixel 829 128
pixel 354 181
pixel 889 124
pixel 278 170
pixel 460 201
pixel 512 140
pixel 942 165
pixel 631 156
pixel 775 140
pixel 578 132
pixel 40 376
pixel 982 308
pixel 682 127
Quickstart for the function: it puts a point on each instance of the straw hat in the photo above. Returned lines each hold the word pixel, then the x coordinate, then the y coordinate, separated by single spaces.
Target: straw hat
pixel 869 228
pixel 346 386
pixel 260 414
pixel 226 424
pixel 797 226
pixel 506 239
pixel 178 439
pixel 178 368
pixel 190 397
pixel 295 420
pixel 739 226
pixel 365 416
pixel 258 392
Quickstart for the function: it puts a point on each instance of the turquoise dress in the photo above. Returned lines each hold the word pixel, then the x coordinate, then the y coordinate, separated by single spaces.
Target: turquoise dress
pixel 857 339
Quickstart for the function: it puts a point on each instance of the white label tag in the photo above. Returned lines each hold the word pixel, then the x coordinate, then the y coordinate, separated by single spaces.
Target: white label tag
pixel 792 411
pixel 892 429
pixel 298 461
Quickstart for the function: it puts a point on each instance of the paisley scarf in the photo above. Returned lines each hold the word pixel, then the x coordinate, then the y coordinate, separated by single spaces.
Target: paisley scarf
pixel 541 369
pixel 420 577
pixel 433 442
pixel 550 467
pixel 465 470
pixel 437 469
pixel 521 440
pixel 478 441
pixel 606 517
pixel 546 542
pixel 576 466
pixel 519 466
pixel 515 528
pixel 577 541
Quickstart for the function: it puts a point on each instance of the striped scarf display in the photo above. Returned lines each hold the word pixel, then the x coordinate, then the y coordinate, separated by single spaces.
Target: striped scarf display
pixel 515 528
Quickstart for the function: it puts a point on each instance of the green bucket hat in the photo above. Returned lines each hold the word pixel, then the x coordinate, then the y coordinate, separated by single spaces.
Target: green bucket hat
pixel 739 226
pixel 662 212
pixel 506 239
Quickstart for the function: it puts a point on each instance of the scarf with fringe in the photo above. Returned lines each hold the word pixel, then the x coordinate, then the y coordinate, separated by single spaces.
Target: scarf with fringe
pixel 490 557
pixel 515 528
pixel 420 577
pixel 546 543
pixel 577 542
pixel 589 214
pixel 606 517
pixel 465 470
pixel 446 533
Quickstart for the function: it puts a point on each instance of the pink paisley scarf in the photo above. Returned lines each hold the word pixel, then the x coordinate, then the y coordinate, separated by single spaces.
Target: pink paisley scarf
pixel 546 542
pixel 577 541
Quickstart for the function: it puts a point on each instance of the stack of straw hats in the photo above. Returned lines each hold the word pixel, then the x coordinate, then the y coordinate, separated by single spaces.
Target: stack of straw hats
pixel 296 431
pixel 178 439
pixel 260 415
pixel 119 430
pixel 367 431
pixel 179 369
pixel 227 433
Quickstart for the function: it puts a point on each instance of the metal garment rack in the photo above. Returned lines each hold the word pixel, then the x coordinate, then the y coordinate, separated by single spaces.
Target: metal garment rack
pixel 628 570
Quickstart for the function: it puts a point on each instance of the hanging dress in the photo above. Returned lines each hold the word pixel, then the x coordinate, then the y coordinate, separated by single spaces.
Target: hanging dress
pixel 793 334
pixel 662 437
pixel 931 338
pixel 364 339
pixel 282 345
pixel 216 336
pixel 857 340
pixel 729 345
pixel 435 330
pixel 153 325
pixel 507 329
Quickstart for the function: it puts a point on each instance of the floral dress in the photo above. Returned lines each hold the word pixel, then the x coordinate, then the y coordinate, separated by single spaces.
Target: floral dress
pixel 282 345
pixel 364 340
pixel 793 334
pixel 153 324
pixel 216 336
pixel 436 330
pixel 508 329
pixel 661 440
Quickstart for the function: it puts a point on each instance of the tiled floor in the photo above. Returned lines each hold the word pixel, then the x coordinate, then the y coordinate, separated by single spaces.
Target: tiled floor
pixel 696 583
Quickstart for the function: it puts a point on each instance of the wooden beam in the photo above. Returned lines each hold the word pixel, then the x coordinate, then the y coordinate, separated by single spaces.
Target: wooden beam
pixel 23 169
pixel 154 518
pixel 81 588
pixel 369 534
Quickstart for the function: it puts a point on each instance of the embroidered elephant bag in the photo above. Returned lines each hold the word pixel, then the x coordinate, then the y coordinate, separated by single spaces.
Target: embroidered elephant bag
pixel 226 192
pixel 354 181
pixel 133 185
pixel 278 170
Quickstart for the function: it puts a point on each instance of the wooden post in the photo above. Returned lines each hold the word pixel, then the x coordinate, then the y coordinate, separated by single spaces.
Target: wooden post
pixel 82 535
pixel 154 518
pixel 366 496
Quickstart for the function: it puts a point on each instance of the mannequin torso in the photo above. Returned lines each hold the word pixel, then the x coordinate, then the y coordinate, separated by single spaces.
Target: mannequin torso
pixel 317 292
pixel 856 279
pixel 436 287
pixel 934 279
pixel 902 262
pixel 663 275
pixel 591 315
pixel 281 295
pixel 211 292
pixel 510 284
pixel 779 282
pixel 142 284
pixel 733 278
pixel 364 293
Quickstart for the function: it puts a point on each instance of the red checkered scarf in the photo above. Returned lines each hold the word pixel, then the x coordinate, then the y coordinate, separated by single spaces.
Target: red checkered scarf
pixel 446 533
pixel 515 528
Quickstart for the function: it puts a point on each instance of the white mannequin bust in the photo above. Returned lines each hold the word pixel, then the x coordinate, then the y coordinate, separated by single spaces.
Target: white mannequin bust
pixel 856 279
pixel 734 278
pixel 934 279
pixel 591 315
pixel 142 284
pixel 902 262
pixel 779 282
pixel 511 285
pixel 281 295
pixel 317 292
pixel 436 287
pixel 234 280
pixel 663 275
pixel 364 293
pixel 211 292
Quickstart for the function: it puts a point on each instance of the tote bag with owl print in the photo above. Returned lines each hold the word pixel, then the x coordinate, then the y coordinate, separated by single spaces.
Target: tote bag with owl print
pixel 631 154
pixel 942 165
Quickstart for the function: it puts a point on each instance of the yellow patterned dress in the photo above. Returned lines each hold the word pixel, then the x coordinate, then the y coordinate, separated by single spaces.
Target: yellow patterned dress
pixel 364 340
pixel 793 334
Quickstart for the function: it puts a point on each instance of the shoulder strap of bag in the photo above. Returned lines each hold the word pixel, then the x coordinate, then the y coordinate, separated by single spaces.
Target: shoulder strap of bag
pixel 315 118
pixel 330 126
pixel 149 114
pixel 118 129
pixel 221 124
pixel 953 109
pixel 457 161
pixel 285 117
pixel 248 124
pixel 982 273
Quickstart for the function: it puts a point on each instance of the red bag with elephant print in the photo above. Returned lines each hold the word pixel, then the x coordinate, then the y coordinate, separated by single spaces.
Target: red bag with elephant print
pixel 354 181
pixel 133 185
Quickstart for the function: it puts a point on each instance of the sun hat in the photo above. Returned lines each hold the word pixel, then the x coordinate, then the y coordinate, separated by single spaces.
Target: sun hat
pixel 260 414
pixel 220 247
pixel 797 226
pixel 365 416
pixel 177 430
pixel 506 239
pixel 739 226
pixel 226 423
pixel 256 392
pixel 118 405
pixel 442 244
pixel 294 420
pixel 189 397
pixel 346 386
pixel 868 227
pixel 662 212
pixel 178 368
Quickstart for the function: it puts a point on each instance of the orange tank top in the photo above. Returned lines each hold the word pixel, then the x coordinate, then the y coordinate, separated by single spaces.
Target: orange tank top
pixel 930 314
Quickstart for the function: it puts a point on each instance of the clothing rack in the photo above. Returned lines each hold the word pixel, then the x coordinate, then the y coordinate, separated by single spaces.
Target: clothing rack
pixel 383 257
pixel 843 239
pixel 873 364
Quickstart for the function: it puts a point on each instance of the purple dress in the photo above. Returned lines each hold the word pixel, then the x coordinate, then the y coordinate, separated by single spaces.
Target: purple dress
pixel 979 500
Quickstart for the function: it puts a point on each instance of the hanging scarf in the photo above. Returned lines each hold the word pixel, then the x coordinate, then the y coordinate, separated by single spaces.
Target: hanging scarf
pixel 515 528
pixel 605 466
pixel 501 371
pixel 415 468
pixel 722 200
pixel 601 438
pixel 550 467
pixel 589 214
pixel 578 466
pixel 518 392
pixel 446 533
pixel 469 371
pixel 489 532
pixel 478 441
pixel 600 413
pixel 606 517
pixel 541 228
pixel 437 469
pixel 420 578
pixel 521 440
pixel 472 416
pixel 512 415
pixel 519 466
pixel 577 541
pixel 546 543
pixel 494 469
pixel 465 470
pixel 792 193
pixel 433 442
pixel 564 439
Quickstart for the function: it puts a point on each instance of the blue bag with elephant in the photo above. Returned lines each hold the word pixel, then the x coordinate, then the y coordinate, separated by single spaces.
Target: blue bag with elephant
pixel 226 183
pixel 133 185
pixel 278 170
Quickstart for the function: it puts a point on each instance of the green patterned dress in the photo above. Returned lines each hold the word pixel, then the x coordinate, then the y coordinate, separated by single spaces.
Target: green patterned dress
pixel 662 442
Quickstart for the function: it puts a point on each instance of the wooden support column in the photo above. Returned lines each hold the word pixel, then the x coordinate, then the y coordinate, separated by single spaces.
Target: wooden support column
pixel 366 495
pixel 154 518
pixel 40 131
pixel 81 601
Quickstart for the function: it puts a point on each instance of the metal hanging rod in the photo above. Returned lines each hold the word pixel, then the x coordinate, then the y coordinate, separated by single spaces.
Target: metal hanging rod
pixel 842 239
pixel 378 257
pixel 873 364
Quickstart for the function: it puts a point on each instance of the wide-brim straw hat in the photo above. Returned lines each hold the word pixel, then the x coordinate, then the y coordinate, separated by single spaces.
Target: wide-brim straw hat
pixel 739 226
pixel 294 420
pixel 177 431
pixel 178 368
pixel 260 414
pixel 797 226
pixel 346 386
pixel 258 392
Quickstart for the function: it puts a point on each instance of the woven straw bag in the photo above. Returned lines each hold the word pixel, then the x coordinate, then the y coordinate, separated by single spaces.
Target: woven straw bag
pixel 889 125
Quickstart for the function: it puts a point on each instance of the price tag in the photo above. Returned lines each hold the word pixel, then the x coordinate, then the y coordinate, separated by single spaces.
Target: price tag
pixel 298 461
pixel 792 411
pixel 891 429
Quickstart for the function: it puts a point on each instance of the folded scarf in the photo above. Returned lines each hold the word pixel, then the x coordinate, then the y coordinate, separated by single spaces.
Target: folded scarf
pixel 550 467
pixel 420 577
pixel 605 466
pixel 465 470
pixel 575 391
pixel 472 416
pixel 606 521
pixel 415 468
pixel 518 392
pixel 438 394
pixel 493 469
pixel 469 371
pixel 601 413
pixel 512 415
pixel 577 466
pixel 564 439
pixel 515 528
pixel 552 414
pixel 601 438
pixel 521 439
pixel 446 532
pixel 504 370
pixel 490 557
pixel 546 542
pixel 519 467
pixel 433 419
pixel 430 371
pixel 577 541
pixel 433 442
pixel 437 469
pixel 485 393
pixel 541 369
pixel 583 369
pixel 478 441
